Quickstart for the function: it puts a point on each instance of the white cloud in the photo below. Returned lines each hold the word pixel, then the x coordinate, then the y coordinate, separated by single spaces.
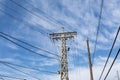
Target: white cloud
pixel 80 72
pixel 82 16
pixel 2 7
pixel 12 46
pixel 41 22
pixel 7 59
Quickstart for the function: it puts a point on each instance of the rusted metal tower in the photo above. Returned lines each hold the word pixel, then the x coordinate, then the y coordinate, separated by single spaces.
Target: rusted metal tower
pixel 63 37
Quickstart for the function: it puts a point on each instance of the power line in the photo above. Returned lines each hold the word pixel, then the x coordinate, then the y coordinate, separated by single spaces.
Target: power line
pixel 28 67
pixel 27 48
pixel 10 15
pixel 20 20
pixel 25 42
pixel 28 10
pixel 21 71
pixel 45 15
pixel 109 53
pixel 31 12
pixel 29 44
pixel 1 75
pixel 99 21
pixel 112 64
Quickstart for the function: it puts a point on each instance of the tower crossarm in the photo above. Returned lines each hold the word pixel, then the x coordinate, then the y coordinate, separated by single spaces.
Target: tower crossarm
pixel 63 33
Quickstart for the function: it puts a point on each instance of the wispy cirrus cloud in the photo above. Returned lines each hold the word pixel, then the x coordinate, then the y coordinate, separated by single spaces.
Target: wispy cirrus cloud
pixel 81 16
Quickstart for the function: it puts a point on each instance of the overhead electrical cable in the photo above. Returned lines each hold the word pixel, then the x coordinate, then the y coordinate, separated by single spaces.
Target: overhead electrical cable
pixel 29 44
pixel 10 15
pixel 21 71
pixel 47 16
pixel 98 28
pixel 112 64
pixel 27 48
pixel 28 67
pixel 21 20
pixel 29 11
pixel 32 13
pixel 2 75
pixel 109 53
pixel 53 21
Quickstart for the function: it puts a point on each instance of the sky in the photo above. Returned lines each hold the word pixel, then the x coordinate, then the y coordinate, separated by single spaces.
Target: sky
pixel 33 20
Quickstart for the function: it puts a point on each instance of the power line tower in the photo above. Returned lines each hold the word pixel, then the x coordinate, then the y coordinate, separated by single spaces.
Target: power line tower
pixel 63 37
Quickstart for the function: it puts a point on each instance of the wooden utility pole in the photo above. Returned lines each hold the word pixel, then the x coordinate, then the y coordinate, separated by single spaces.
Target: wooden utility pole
pixel 63 37
pixel 118 75
pixel 89 59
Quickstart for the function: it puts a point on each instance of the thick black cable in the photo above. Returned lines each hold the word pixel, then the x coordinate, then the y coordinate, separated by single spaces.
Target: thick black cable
pixel 21 71
pixel 29 44
pixel 27 48
pixel 98 28
pixel 112 64
pixel 109 53
pixel 28 67
pixel 1 75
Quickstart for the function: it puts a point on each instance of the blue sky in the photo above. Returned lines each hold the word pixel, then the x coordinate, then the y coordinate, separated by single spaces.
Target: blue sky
pixel 48 16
